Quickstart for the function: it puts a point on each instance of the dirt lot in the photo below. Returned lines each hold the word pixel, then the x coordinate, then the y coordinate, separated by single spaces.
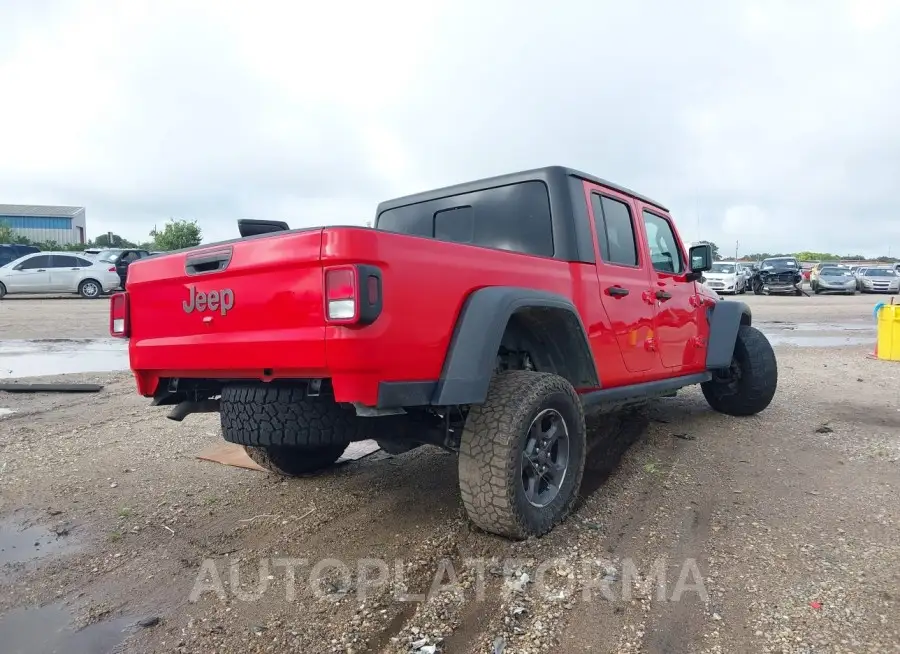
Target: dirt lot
pixel 777 533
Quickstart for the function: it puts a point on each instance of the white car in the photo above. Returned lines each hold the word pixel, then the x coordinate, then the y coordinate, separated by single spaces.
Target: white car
pixel 57 273
pixel 726 277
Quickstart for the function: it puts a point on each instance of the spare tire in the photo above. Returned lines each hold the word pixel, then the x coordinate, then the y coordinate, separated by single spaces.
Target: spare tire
pixel 271 415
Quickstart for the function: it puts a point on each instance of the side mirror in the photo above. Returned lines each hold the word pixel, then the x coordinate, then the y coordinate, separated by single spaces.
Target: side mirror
pixel 701 260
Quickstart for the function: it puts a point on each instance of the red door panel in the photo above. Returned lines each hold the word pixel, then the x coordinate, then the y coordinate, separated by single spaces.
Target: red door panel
pixel 676 307
pixel 623 275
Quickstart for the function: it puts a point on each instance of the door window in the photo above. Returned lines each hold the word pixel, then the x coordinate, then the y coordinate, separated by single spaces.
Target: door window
pixel 63 261
pixel 615 231
pixel 82 263
pixel 40 261
pixel 665 254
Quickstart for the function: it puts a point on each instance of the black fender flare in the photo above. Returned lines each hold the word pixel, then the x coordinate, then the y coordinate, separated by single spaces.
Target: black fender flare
pixel 472 355
pixel 725 318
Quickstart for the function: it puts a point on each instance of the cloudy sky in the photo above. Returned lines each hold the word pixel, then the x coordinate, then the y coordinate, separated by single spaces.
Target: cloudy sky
pixel 771 122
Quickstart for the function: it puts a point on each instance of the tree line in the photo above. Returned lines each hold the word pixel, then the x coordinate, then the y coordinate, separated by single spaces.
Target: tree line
pixel 174 235
pixel 804 255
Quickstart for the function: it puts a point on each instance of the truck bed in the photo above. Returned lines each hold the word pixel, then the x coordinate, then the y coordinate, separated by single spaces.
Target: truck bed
pixel 276 328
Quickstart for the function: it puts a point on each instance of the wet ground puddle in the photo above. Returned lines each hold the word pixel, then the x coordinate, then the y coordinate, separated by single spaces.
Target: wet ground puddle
pixel 48 629
pixel 20 544
pixel 810 334
pixel 61 356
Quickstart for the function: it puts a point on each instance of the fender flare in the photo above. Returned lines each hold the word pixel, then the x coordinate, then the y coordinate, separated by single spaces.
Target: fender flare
pixel 725 318
pixel 472 355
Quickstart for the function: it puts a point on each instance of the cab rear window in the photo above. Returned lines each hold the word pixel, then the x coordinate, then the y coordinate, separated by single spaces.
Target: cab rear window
pixel 514 217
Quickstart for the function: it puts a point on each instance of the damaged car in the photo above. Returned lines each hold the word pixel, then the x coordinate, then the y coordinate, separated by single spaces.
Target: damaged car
pixel 778 275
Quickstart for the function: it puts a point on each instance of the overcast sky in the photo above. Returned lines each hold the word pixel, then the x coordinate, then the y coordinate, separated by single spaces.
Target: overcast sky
pixel 759 121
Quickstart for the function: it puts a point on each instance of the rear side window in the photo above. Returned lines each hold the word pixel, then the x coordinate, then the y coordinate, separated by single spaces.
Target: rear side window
pixel 63 261
pixel 615 231
pixel 514 217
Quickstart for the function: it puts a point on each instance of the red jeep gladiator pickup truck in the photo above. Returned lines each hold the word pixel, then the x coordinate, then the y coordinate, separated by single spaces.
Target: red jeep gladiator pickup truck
pixel 486 318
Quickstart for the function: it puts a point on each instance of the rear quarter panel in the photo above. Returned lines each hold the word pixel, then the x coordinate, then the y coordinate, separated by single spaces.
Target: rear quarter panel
pixel 426 283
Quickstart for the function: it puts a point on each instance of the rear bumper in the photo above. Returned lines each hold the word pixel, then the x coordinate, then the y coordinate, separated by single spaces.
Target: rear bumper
pixel 265 355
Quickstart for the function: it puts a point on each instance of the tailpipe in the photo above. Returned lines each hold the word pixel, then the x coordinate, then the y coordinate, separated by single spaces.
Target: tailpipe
pixel 186 408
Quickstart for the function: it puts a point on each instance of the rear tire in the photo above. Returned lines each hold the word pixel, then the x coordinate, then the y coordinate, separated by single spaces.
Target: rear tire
pixel 268 415
pixel 295 461
pixel 748 386
pixel 2 291
pixel 529 431
pixel 90 289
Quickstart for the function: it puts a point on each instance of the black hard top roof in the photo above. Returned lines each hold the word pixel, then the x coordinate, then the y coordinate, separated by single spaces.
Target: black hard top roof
pixel 549 174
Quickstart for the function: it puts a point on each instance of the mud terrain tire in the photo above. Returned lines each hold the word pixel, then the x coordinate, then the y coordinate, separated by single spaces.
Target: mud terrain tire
pixel 497 436
pixel 267 415
pixel 749 385
pixel 295 461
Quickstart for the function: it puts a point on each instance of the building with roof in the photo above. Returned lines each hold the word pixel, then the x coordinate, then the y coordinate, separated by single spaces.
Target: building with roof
pixel 40 224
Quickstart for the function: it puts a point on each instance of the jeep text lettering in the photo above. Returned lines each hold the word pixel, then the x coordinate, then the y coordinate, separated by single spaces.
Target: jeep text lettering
pixel 220 301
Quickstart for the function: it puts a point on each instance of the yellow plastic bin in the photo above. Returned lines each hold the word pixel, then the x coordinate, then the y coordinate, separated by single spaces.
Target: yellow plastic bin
pixel 889 332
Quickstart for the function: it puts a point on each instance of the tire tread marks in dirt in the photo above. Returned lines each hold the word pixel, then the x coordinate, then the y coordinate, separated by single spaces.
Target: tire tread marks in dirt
pixel 490 453
pixel 759 377
pixel 266 415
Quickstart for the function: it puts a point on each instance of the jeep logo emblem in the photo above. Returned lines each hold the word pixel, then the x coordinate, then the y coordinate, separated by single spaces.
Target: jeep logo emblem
pixel 220 301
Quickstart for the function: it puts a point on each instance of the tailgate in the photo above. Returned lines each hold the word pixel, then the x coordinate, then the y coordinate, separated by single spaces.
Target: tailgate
pixel 247 306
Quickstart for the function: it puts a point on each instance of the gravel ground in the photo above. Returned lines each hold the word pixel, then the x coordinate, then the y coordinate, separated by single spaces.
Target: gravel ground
pixel 696 532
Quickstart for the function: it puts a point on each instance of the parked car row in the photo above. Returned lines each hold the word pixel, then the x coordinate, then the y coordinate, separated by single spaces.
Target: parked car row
pixel 834 277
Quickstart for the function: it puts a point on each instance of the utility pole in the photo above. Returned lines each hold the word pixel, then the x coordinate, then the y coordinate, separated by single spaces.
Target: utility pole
pixel 737 245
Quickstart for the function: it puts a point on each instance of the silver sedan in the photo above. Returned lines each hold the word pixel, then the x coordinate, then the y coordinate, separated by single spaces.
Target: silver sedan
pixel 835 280
pixel 880 280
pixel 58 273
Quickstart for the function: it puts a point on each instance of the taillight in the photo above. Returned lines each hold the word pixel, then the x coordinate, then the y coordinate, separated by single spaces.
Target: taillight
pixel 352 294
pixel 119 326
pixel 112 269
pixel 340 294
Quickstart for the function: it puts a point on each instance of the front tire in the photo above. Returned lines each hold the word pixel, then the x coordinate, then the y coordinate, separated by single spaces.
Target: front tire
pixel 522 453
pixel 90 289
pixel 2 291
pixel 295 461
pixel 749 384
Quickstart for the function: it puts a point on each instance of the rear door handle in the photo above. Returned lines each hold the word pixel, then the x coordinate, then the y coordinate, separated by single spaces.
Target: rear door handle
pixel 662 296
pixel 41 270
pixel 617 291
